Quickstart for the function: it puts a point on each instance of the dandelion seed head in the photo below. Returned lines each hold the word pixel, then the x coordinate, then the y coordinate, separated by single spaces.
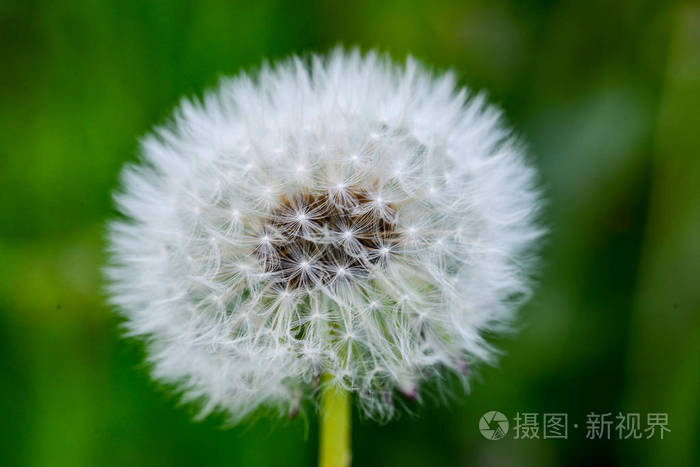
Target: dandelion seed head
pixel 341 215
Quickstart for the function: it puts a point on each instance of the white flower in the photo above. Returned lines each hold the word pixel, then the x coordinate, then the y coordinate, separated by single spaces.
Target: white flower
pixel 344 216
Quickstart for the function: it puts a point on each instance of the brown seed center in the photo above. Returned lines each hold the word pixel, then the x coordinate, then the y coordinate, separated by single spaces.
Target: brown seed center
pixel 319 238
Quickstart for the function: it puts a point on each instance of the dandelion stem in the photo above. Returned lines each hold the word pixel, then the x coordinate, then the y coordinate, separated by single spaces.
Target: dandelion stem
pixel 334 450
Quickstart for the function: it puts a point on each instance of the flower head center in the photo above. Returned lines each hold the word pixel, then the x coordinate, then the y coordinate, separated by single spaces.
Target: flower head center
pixel 315 238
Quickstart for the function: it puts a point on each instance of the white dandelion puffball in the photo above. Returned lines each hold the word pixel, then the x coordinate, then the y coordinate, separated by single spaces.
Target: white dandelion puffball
pixel 340 215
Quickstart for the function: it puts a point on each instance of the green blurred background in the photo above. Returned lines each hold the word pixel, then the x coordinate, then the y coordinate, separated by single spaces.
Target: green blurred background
pixel 607 94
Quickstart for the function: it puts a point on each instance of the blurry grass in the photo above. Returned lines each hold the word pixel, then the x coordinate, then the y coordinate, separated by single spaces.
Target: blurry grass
pixel 611 122
pixel 664 366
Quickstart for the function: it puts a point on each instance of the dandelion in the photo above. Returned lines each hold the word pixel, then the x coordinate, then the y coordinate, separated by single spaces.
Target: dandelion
pixel 341 220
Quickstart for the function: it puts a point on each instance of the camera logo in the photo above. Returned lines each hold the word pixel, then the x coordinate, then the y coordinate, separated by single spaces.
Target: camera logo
pixel 493 425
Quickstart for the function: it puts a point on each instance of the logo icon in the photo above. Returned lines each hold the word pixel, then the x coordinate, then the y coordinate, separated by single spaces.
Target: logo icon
pixel 493 425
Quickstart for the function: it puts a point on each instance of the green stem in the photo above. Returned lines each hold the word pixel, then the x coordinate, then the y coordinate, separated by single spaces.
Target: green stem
pixel 334 450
